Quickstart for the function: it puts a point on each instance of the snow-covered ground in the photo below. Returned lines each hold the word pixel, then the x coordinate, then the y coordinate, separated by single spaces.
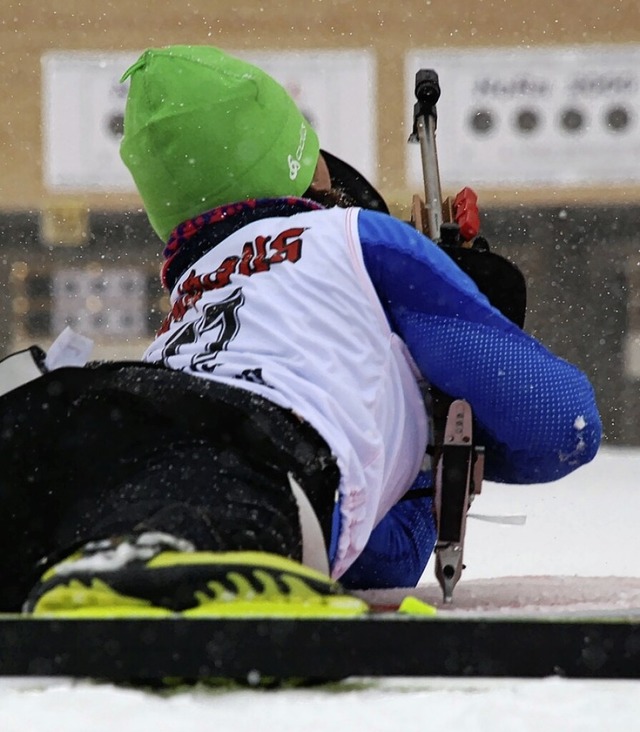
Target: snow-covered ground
pixel 585 525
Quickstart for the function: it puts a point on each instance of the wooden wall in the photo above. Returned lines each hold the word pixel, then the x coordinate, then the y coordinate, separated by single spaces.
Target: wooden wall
pixel 30 27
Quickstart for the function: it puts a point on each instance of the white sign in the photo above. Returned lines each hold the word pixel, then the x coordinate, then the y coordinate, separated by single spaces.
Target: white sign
pixel 533 117
pixel 83 107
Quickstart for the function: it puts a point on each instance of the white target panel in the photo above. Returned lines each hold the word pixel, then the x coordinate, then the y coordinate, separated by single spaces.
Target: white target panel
pixel 566 116
pixel 100 304
pixel 82 114
pixel 83 110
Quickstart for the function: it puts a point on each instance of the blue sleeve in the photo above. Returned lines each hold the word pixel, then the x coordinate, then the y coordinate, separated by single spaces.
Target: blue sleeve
pixel 399 547
pixel 535 413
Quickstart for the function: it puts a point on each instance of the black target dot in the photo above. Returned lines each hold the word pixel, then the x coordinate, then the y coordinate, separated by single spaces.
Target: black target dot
pixel 617 118
pixel 481 121
pixel 527 120
pixel 115 125
pixel 572 120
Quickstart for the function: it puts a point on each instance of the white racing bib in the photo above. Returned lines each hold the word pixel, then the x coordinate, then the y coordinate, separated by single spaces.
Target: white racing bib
pixel 284 307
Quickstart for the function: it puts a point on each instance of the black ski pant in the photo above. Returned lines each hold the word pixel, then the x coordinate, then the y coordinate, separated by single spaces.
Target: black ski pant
pixel 112 449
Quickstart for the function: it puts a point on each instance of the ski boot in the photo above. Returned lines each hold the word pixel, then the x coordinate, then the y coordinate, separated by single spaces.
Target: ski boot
pixel 155 575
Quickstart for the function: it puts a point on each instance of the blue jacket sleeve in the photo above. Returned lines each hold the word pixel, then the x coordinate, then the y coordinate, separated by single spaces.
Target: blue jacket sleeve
pixel 536 413
pixel 399 547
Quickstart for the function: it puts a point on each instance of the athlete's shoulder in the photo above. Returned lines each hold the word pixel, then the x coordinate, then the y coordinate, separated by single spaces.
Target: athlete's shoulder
pixel 376 227
pixel 372 227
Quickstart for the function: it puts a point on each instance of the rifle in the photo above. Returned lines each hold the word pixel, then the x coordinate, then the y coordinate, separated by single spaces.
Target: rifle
pixel 456 462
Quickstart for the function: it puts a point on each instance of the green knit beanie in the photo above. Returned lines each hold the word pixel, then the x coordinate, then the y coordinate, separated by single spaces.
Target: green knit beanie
pixel 202 128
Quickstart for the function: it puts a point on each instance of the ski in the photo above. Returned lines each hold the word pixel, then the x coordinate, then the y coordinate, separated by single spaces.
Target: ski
pixel 151 650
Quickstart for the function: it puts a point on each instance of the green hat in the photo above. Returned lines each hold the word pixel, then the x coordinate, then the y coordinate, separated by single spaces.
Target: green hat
pixel 202 128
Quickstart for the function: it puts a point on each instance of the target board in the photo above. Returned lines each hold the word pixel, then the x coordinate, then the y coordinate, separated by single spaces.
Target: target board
pixel 566 116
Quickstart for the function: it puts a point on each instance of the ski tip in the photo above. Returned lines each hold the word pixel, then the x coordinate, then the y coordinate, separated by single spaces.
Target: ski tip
pixel 412 606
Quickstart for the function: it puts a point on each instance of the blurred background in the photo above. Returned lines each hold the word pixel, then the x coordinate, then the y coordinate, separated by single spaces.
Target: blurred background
pixel 540 114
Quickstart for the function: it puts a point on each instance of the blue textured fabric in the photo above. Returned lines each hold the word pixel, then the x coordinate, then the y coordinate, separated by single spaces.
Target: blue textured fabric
pixel 535 413
pixel 399 547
